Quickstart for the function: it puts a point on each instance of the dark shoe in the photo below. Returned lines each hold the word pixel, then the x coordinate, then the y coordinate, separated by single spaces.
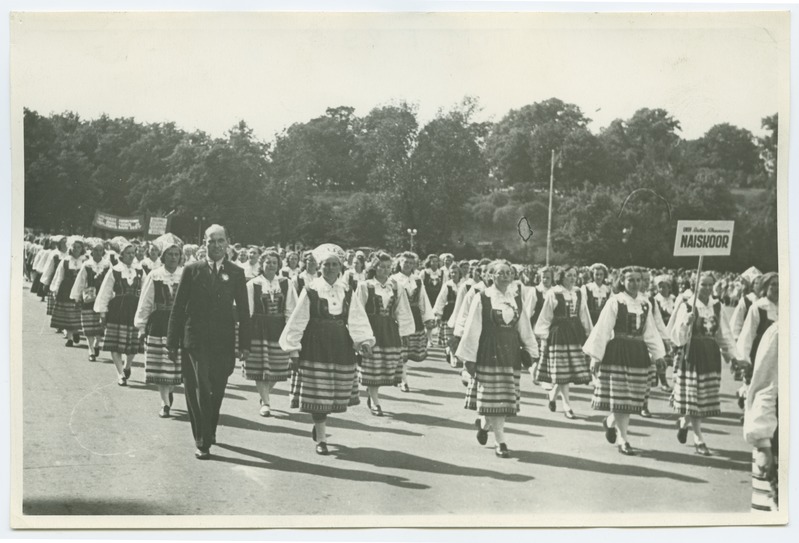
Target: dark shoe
pixel 610 431
pixel 76 338
pixel 482 435
pixel 202 454
pixel 502 451
pixel 404 387
pixel 702 449
pixel 92 358
pixel 122 381
pixel 321 448
pixel 570 414
pixel 626 449
pixel 164 413
pixel 645 413
pixel 126 371
pixel 97 351
pixel 295 403
pixel 552 406
pixel 741 402
pixel 69 343
pixel 682 432
pixel 171 398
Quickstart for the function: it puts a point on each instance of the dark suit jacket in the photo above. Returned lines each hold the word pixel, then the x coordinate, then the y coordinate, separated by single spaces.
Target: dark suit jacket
pixel 204 317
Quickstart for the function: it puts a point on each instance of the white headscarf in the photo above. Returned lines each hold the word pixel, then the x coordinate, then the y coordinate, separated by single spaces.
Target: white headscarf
pixel 326 250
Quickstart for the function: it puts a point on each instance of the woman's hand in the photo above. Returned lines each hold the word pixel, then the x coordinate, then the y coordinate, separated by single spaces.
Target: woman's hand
pixel 366 349
pixel 470 368
pixel 764 460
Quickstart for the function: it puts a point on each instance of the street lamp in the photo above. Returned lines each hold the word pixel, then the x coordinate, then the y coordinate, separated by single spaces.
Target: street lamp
pixel 412 232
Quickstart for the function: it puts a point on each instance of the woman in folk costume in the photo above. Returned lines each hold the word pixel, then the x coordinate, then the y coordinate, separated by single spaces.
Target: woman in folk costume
pixel 357 272
pixel 37 266
pixel 189 253
pixel 622 345
pixel 495 332
pixel 562 326
pixel 309 273
pixel 391 319
pixel 596 292
pixel 272 301
pixel 152 320
pixel 54 259
pixel 415 343
pixel 444 307
pixel 292 267
pixel 662 309
pixel 762 313
pixel 322 335
pixel 657 365
pixel 761 422
pixel 84 293
pixel 480 280
pixel 151 256
pixel 116 303
pixel 252 265
pixel 433 277
pixel 697 375
pixel 66 313
pixel 535 303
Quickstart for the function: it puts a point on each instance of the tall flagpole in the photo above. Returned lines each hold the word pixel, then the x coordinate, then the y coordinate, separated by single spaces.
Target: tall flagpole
pixel 549 219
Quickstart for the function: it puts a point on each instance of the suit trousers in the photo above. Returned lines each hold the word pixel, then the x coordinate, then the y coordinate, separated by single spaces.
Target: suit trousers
pixel 205 380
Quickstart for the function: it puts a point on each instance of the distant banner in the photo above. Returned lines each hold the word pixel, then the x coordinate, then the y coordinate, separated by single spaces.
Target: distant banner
pixel 157 226
pixel 122 225
pixel 703 238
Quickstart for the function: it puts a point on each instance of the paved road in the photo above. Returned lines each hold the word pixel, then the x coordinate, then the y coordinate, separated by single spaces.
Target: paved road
pixel 91 447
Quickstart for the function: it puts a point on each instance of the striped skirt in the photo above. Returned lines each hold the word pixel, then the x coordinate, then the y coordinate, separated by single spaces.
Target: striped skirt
pixel 380 369
pixel 697 380
pixel 563 360
pixel 50 302
pixel 764 488
pixel 622 383
pixel 415 346
pixel 90 323
pixel 158 368
pixel 66 316
pixel 121 338
pixel 494 391
pixel 326 388
pixel 266 362
pixel 444 335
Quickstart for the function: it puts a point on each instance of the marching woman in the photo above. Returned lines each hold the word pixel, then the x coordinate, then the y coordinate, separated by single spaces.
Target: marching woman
pixel 38 266
pixel 272 301
pixel 423 318
pixel 309 273
pixel 596 292
pixel 697 375
pixel 357 273
pixel 762 314
pixel 761 423
pixel 444 307
pixel 326 328
pixel 189 253
pixel 150 260
pixel 621 346
pixel 534 303
pixel 391 319
pixel 495 332
pixel 116 303
pixel 292 267
pixel 66 312
pixel 152 320
pixel 56 256
pixel 84 292
pixel 563 325
pixel 252 266
pixel 433 278
pixel 662 309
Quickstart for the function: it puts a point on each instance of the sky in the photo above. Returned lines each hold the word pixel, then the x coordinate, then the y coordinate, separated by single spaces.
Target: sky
pixel 208 71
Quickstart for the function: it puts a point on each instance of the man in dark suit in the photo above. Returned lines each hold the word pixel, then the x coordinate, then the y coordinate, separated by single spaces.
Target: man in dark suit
pixel 203 326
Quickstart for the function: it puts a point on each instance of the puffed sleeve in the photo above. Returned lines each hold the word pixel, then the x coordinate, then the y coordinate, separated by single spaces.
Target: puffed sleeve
pixel 525 330
pixel 49 269
pixel 461 294
pixel 77 287
pixel 251 296
pixel 105 294
pixel 59 276
pixel 424 305
pixel 602 333
pixel 658 319
pixel 585 316
pixel 737 319
pixel 545 317
pixel 291 301
pixel 680 330
pixel 760 416
pixel 747 334
pixel 726 345
pixel 403 314
pixel 460 323
pixel 441 301
pixel 358 324
pixel 651 336
pixel 472 329
pixel 295 327
pixel 146 303
pixel 529 299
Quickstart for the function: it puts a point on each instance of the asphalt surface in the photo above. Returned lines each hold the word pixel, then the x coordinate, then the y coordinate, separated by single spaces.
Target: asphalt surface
pixel 94 448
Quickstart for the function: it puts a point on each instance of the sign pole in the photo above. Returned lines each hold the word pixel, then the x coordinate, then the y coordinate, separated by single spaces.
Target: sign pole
pixel 693 305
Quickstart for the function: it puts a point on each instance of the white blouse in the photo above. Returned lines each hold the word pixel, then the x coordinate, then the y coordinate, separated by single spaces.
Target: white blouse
pixel 441 300
pixel 147 299
pixel 599 292
pixel 357 322
pixel 760 414
pixel 680 332
pixel 409 284
pixel 506 303
pixel 49 267
pixel 548 310
pixel 460 320
pixel 272 287
pixel 739 315
pixel 80 286
pixel 603 331
pixel 106 293
pixel 461 295
pixel 385 290
pixel 749 329
pixel 73 263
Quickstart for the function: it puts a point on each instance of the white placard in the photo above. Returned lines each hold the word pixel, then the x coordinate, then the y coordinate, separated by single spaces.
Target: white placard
pixel 703 238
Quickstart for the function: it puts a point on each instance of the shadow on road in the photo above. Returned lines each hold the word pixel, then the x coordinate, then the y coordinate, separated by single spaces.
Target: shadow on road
pixel 78 506
pixel 698 460
pixel 430 420
pixel 593 466
pixel 381 458
pixel 289 465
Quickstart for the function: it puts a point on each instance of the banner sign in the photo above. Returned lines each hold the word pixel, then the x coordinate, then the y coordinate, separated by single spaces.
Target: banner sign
pixel 157 226
pixel 123 225
pixel 703 238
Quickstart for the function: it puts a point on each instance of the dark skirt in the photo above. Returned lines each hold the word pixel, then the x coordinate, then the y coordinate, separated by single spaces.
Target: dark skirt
pixel 380 368
pixel 66 316
pixel 416 346
pixel 697 380
pixel 494 391
pixel 90 322
pixel 266 361
pixel 563 360
pixel 50 302
pixel 158 368
pixel 327 380
pixel 623 376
